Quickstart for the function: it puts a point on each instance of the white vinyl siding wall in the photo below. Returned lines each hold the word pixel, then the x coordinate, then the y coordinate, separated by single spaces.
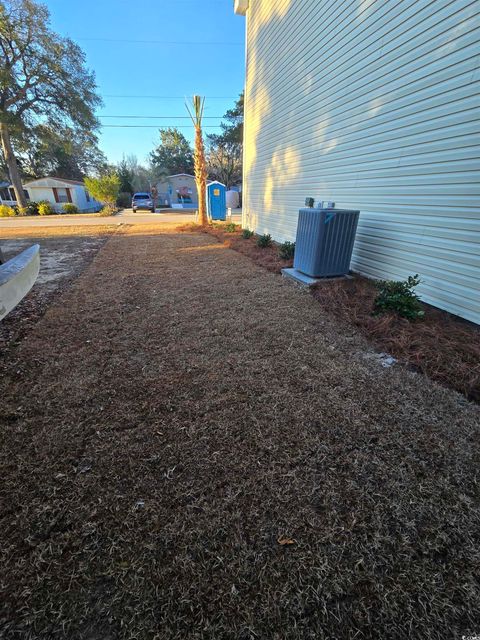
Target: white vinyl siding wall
pixel 374 105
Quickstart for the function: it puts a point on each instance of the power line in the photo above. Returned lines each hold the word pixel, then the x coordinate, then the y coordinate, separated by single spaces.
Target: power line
pixel 175 42
pixel 153 126
pixel 137 97
pixel 164 117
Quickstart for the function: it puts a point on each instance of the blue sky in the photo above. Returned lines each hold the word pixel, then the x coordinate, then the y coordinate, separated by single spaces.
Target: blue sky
pixel 105 30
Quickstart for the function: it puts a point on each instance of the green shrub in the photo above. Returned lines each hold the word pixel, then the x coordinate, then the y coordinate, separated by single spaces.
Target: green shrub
pixel 287 250
pixel 399 296
pixel 30 210
pixel 231 227
pixel 108 210
pixel 124 199
pixel 68 207
pixel 6 211
pixel 45 208
pixel 246 234
pixel 264 241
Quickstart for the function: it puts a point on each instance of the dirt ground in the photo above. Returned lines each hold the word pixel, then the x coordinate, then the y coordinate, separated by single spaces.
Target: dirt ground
pixel 62 259
pixel 191 448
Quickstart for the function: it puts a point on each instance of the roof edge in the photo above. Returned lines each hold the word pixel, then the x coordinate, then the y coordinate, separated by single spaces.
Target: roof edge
pixel 63 180
pixel 240 7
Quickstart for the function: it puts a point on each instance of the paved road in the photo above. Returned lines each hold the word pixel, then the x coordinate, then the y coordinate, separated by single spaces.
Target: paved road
pixel 126 216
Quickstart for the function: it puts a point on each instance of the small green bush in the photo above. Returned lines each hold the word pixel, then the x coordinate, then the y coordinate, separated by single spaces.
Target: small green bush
pixel 246 234
pixel 6 211
pixel 264 241
pixel 231 227
pixel 124 199
pixel 108 210
pixel 399 296
pixel 45 208
pixel 32 209
pixel 68 207
pixel 287 250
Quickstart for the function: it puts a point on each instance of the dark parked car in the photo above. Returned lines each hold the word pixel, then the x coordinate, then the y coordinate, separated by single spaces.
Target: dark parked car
pixel 143 200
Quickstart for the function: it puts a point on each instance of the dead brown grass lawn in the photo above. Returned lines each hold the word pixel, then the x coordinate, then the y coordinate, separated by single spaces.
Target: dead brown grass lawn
pixel 442 346
pixel 62 258
pixel 178 417
pixel 267 257
pixel 57 232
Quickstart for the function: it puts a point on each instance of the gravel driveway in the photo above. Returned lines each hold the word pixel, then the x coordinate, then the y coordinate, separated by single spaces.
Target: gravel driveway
pixel 191 448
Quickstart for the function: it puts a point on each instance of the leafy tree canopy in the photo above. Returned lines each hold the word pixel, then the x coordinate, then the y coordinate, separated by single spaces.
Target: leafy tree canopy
pixel 42 74
pixel 43 79
pixel 225 150
pixel 232 129
pixel 43 151
pixel 174 153
pixel 104 188
pixel 225 164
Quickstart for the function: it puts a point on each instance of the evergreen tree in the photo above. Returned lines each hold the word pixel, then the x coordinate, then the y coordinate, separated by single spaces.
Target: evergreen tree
pixel 174 153
pixel 126 176
pixel 225 150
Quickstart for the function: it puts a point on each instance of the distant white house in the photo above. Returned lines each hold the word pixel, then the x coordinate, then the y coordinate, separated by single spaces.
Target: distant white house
pixel 57 191
pixel 178 191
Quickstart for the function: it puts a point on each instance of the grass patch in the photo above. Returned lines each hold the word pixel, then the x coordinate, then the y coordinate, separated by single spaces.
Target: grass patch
pixel 441 346
pixel 191 448
pixel 244 241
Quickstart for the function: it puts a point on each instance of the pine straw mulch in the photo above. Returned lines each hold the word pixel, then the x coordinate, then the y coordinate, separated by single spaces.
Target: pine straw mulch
pixel 193 448
pixel 442 346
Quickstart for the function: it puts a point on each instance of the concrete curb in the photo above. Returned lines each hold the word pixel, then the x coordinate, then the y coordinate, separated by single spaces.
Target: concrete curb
pixel 17 277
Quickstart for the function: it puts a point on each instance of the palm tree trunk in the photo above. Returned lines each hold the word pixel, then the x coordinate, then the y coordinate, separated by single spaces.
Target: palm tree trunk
pixel 201 176
pixel 12 165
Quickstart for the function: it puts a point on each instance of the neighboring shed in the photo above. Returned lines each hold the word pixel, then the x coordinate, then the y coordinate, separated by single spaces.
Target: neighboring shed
pixel 59 191
pixel 375 106
pixel 178 191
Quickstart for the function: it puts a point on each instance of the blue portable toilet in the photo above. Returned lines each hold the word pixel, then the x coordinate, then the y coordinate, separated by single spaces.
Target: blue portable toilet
pixel 217 201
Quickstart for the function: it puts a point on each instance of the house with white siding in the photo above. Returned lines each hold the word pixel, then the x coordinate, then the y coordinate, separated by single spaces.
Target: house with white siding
pixel 57 191
pixel 374 105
